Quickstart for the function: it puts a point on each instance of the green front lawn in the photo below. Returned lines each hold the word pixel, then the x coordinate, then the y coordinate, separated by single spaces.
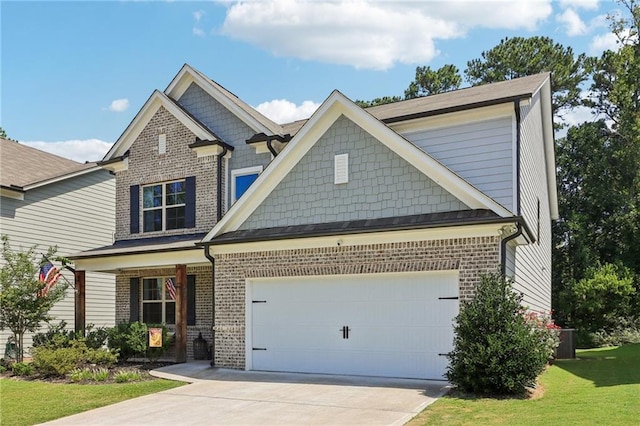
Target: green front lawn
pixel 601 387
pixel 31 402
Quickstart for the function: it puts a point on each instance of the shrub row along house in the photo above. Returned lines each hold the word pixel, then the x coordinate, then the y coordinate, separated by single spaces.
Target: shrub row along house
pixel 341 244
pixel 47 200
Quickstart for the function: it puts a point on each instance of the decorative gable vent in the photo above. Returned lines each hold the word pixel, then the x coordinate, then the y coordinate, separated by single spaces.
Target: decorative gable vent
pixel 341 171
pixel 162 143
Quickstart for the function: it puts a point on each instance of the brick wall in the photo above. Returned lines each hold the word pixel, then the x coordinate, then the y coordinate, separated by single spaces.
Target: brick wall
pixel 147 166
pixel 203 300
pixel 470 256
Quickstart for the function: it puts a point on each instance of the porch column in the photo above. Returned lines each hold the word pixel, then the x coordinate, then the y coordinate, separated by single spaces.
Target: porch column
pixel 80 301
pixel 181 313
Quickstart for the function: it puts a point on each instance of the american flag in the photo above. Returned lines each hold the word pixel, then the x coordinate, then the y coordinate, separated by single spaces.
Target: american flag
pixel 171 288
pixel 49 275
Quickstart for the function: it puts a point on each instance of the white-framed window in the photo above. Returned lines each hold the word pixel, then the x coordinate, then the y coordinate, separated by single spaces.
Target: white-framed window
pixel 159 300
pixel 241 179
pixel 163 206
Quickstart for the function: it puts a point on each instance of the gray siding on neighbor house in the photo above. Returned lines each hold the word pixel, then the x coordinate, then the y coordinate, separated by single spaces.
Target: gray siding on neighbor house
pixel 381 184
pixel 75 214
pixel 480 152
pixel 226 125
pixel 533 261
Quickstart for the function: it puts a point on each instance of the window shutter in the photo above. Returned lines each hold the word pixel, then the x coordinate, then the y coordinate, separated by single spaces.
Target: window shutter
pixel 191 300
pixel 134 209
pixel 190 202
pixel 134 299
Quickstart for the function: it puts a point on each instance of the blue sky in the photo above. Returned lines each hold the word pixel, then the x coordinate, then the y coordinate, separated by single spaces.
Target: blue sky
pixel 74 74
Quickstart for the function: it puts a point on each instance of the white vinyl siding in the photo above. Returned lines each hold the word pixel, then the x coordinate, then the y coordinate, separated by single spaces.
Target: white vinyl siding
pixel 533 261
pixel 75 214
pixel 481 153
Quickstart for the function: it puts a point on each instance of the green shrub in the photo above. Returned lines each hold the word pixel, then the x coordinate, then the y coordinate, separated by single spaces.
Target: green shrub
pixel 3 369
pixel 96 338
pixel 124 376
pixel 498 348
pixel 80 375
pixel 100 357
pixel 57 362
pixel 22 369
pixel 100 374
pixel 55 337
pixel 132 339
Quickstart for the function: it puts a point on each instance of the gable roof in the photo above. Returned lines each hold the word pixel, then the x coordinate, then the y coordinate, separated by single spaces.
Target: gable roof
pixel 332 108
pixel 245 112
pixel 150 107
pixel 23 167
pixel 443 103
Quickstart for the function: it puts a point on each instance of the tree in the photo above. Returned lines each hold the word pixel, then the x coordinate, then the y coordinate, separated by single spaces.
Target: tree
pixel 3 135
pixel 520 57
pixel 378 101
pixel 431 82
pixel 23 307
pixel 599 172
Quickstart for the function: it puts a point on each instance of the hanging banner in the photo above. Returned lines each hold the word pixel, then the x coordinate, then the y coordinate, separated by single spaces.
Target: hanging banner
pixel 155 337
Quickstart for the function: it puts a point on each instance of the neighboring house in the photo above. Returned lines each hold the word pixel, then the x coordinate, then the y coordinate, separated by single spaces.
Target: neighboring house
pixel 47 200
pixel 340 244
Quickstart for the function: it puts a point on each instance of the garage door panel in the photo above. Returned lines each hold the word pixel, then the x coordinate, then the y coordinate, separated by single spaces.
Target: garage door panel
pixel 398 325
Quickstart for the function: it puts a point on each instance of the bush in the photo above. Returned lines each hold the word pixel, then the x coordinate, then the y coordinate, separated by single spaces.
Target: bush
pixel 497 348
pixel 627 331
pixel 132 339
pixel 58 337
pixel 62 361
pixel 22 369
pixel 100 375
pixel 127 376
pixel 80 375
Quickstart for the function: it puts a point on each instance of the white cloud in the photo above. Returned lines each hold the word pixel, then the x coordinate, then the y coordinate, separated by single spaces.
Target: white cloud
pixel 197 16
pixel 607 41
pixel 370 34
pixel 284 111
pixel 199 32
pixel 580 4
pixel 119 105
pixel 572 22
pixel 78 150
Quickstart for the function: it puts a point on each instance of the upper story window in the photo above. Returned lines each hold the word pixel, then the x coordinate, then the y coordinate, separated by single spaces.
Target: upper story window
pixel 241 179
pixel 163 206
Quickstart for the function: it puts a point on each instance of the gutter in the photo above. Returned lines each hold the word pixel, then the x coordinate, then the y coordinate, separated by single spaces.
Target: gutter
pixel 503 248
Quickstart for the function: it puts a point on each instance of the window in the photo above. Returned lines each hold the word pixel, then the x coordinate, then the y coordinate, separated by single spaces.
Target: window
pixel 241 179
pixel 158 300
pixel 163 206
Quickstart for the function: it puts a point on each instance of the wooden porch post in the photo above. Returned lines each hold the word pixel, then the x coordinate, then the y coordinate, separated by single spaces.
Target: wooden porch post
pixel 181 313
pixel 80 301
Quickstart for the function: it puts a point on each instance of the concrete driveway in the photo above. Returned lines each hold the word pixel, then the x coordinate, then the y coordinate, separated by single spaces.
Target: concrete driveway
pixel 230 397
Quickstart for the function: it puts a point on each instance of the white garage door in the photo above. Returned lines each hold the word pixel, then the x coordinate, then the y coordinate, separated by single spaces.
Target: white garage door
pixel 390 325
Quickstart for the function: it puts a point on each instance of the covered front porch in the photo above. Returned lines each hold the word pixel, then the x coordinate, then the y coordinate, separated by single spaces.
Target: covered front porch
pixel 165 280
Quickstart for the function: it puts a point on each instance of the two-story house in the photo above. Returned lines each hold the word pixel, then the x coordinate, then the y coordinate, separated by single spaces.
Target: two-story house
pixel 341 244
pixel 47 200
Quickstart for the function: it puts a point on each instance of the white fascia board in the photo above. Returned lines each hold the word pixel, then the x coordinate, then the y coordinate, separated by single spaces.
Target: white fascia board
pixel 62 177
pixel 335 106
pixel 487 230
pixel 114 264
pixel 153 104
pixel 457 118
pixel 188 75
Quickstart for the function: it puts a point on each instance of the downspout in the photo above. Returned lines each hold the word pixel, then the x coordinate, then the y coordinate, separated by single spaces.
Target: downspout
pixel 212 260
pixel 505 241
pixel 503 248
pixel 271 148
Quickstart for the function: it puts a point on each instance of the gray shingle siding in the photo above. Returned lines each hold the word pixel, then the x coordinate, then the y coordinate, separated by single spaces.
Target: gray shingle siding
pixel 226 125
pixel 381 184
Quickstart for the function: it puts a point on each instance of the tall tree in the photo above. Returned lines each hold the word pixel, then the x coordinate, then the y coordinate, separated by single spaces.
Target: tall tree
pixel 378 101
pixel 599 170
pixel 23 304
pixel 431 82
pixel 520 57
